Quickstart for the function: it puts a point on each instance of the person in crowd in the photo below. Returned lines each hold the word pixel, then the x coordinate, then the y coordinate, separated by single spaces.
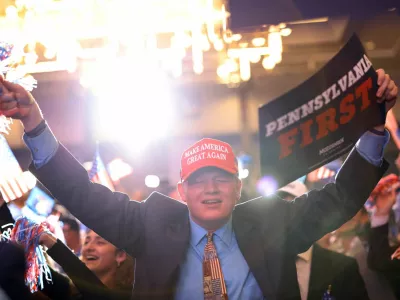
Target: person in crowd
pixel 87 285
pixel 12 280
pixel 72 235
pixel 12 268
pixel 382 256
pixel 320 270
pixel 111 265
pixel 207 247
pixel 351 239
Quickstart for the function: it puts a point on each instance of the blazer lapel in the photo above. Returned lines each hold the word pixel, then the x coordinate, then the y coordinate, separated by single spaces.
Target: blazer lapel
pixel 178 234
pixel 250 241
pixel 176 242
pixel 319 274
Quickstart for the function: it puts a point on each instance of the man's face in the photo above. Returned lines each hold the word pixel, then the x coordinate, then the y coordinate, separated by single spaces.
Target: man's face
pixel 211 195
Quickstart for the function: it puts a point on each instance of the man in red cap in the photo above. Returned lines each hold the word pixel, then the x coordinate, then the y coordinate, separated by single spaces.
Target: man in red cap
pixel 210 248
pixel 214 161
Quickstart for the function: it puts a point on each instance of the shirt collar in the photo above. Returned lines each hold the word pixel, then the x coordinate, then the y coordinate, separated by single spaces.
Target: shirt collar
pixel 306 256
pixel 197 233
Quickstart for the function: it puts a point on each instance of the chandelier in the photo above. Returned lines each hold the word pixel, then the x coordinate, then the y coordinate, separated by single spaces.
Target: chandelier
pixel 58 34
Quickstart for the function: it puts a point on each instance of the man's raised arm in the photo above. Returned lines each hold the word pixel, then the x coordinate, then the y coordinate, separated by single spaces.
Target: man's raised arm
pixel 317 213
pixel 111 215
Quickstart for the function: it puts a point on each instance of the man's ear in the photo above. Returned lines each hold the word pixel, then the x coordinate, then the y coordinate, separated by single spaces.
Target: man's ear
pixel 181 191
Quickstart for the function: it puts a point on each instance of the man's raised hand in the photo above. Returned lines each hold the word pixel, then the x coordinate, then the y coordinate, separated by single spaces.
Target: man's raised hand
pixel 17 103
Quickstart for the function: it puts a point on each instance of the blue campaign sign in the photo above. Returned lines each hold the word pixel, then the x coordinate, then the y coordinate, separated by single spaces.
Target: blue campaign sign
pixel 321 119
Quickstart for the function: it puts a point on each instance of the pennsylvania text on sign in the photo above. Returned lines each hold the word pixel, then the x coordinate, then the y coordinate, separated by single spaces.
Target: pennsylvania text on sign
pixel 321 119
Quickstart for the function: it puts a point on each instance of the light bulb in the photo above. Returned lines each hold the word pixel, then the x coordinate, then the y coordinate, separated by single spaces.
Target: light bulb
pixel 268 63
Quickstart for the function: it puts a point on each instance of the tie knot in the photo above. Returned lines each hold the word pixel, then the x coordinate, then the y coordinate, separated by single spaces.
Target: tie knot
pixel 210 236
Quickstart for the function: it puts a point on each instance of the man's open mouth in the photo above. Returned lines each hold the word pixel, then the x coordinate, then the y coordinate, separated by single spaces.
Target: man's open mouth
pixel 215 201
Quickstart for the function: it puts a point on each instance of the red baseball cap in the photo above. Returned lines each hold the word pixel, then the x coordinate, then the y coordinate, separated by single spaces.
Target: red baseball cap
pixel 208 153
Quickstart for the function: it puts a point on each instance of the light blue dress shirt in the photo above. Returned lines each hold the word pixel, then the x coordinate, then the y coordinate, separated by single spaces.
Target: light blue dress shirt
pixel 240 282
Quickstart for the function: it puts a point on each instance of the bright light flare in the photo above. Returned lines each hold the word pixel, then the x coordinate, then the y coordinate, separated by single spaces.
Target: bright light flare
pixel 243 173
pixel 267 185
pixel 152 181
pixel 134 105
pixel 119 169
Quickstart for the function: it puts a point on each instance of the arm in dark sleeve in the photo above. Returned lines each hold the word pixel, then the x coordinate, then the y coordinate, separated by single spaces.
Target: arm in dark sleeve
pixel 380 252
pixel 309 217
pixel 356 285
pixel 87 283
pixel 59 288
pixel 111 215
pixel 6 222
pixel 12 269
pixel 73 267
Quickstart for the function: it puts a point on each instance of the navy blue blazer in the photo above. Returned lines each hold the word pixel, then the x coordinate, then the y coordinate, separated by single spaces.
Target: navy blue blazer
pixel 270 231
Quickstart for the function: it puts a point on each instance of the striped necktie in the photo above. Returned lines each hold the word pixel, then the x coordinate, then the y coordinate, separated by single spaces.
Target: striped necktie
pixel 213 279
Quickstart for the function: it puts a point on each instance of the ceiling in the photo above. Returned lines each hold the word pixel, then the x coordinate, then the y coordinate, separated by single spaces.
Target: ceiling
pixel 252 13
pixel 310 45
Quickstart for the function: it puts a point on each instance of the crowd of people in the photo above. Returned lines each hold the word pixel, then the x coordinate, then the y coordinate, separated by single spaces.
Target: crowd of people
pixel 329 243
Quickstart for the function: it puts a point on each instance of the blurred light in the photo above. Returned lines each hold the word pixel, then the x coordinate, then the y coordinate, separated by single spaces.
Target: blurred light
pixel 71 66
pixel 187 40
pixel 310 21
pixel 235 78
pixel 164 30
pixel 268 63
pixel 245 71
pixel 152 181
pixel 205 43
pixel 49 53
pixel 12 12
pixel 370 45
pixel 286 31
pixel 136 113
pixel 236 37
pixel 30 58
pixel 198 68
pixel 231 65
pixel 267 185
pixel 228 67
pixel 223 71
pixel 275 42
pixel 177 69
pixel 118 169
pixel 243 173
pixel 258 42
pixel 218 45
pixel 254 58
pixel 245 158
pixel 277 57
